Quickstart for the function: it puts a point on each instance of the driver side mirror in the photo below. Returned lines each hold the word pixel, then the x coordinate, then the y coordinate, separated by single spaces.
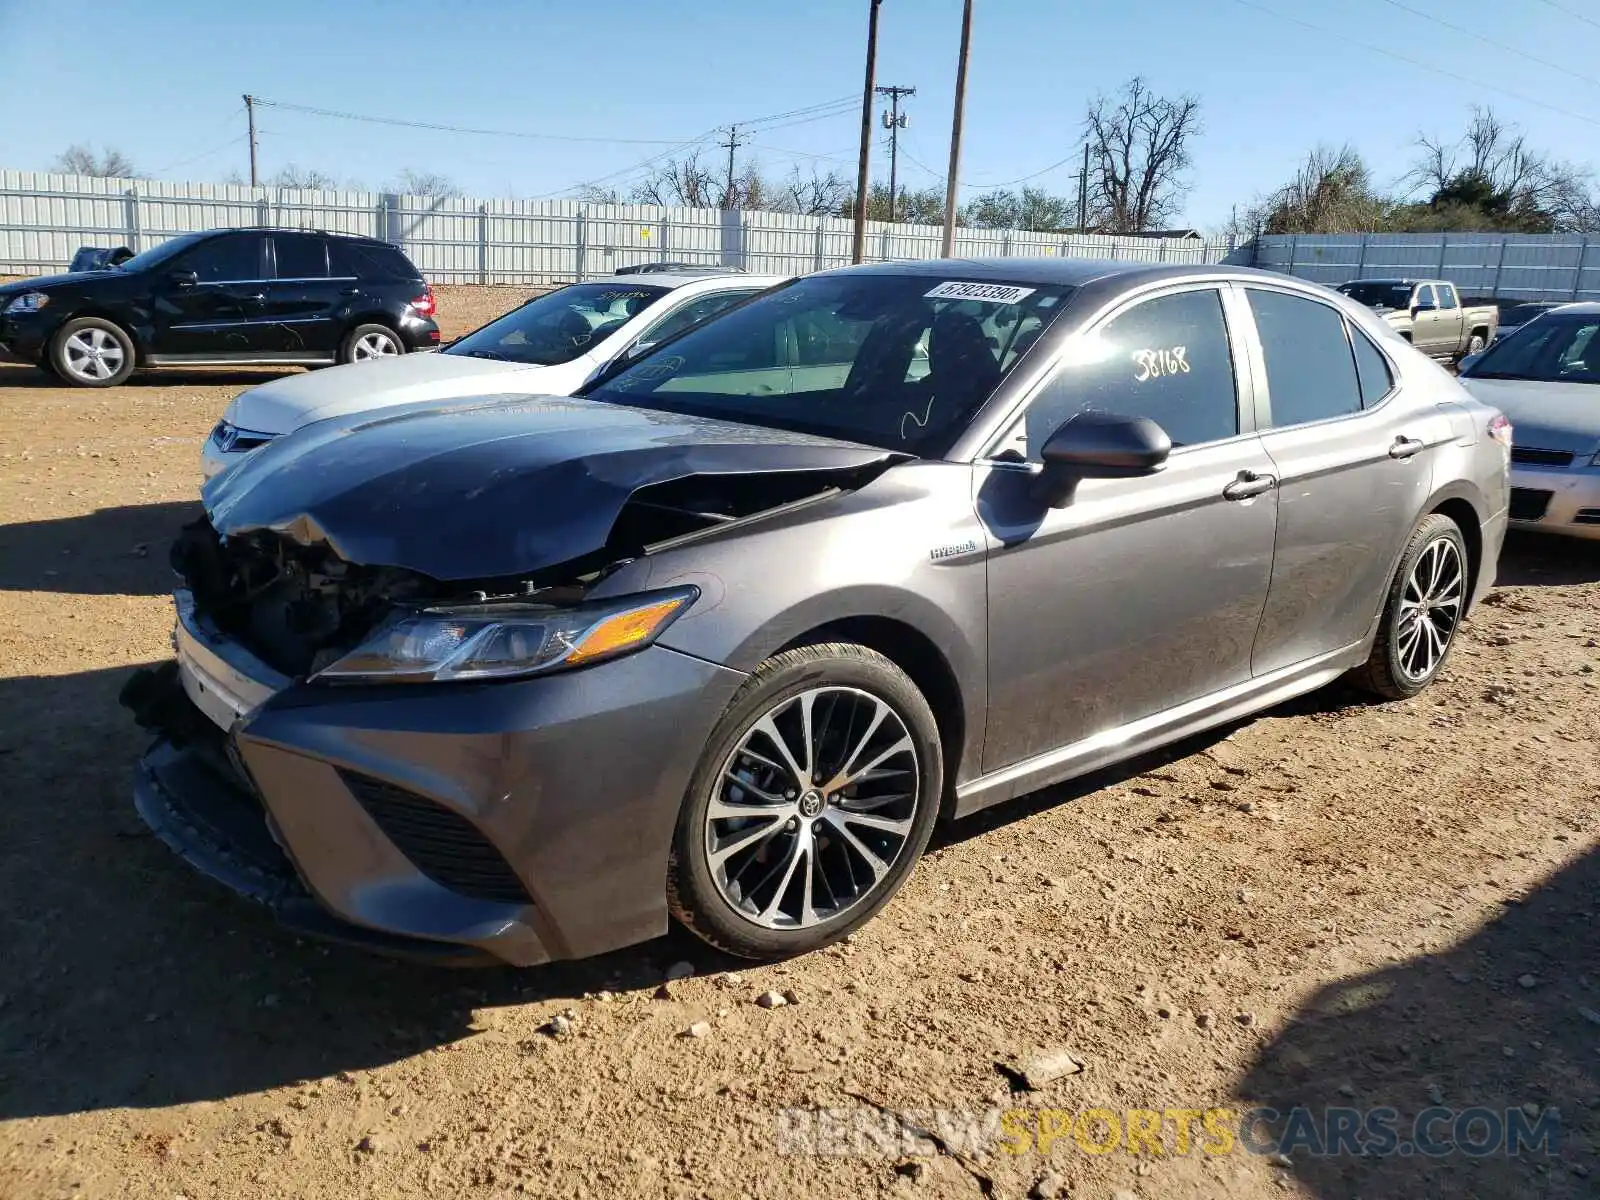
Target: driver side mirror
pixel 183 279
pixel 1099 445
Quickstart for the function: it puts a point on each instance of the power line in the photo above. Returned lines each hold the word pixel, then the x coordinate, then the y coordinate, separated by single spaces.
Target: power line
pixel 440 128
pixel 1412 62
pixel 184 162
pixel 1473 33
pixel 1577 16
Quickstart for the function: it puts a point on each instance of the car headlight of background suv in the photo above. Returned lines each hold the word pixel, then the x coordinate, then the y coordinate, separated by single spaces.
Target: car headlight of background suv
pixel 28 302
pixel 500 641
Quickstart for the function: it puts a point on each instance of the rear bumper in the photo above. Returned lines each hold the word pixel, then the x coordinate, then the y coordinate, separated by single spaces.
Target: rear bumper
pixel 419 333
pixel 517 822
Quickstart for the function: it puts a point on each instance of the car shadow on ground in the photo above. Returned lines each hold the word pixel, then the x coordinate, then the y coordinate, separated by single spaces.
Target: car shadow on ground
pixel 130 981
pixel 1545 560
pixel 1506 1022
pixel 110 551
pixel 24 375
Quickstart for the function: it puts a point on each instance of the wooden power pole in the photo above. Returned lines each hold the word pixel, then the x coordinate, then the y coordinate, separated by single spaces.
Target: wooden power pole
pixel 250 116
pixel 858 243
pixel 950 182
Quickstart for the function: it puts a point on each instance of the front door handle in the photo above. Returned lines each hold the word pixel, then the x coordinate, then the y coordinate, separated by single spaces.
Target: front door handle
pixel 1405 447
pixel 254 297
pixel 350 291
pixel 1247 485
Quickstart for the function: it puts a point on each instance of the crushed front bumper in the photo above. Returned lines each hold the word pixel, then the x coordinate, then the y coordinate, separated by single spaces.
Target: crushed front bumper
pixel 516 822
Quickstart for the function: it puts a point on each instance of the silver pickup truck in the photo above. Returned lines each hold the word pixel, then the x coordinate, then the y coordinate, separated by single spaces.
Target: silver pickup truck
pixel 1429 314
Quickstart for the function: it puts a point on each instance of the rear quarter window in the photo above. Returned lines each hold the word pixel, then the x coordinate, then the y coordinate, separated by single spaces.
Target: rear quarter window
pixel 370 260
pixel 1311 372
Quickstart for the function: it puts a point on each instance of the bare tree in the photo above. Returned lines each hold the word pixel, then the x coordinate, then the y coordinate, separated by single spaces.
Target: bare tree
pixel 1032 209
pixel 591 193
pixel 292 176
pixel 814 194
pixel 412 182
pixel 1492 167
pixel 1138 153
pixel 79 159
pixel 688 182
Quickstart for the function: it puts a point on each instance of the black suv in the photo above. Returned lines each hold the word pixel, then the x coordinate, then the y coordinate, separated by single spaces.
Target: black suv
pixel 226 297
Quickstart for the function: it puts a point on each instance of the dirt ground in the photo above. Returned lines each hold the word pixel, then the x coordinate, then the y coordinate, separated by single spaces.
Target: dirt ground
pixel 1335 904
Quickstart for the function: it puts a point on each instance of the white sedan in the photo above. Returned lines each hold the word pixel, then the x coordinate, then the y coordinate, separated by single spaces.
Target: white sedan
pixel 551 346
pixel 1546 378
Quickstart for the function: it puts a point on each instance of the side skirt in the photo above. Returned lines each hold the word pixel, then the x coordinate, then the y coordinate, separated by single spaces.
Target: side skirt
pixel 263 359
pixel 1151 733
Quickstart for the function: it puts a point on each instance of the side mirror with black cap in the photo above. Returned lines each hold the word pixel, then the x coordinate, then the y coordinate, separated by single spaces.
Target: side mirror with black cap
pixel 1099 445
pixel 183 279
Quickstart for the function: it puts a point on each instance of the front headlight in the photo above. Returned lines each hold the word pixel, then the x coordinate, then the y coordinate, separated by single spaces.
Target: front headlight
pixel 28 302
pixel 498 641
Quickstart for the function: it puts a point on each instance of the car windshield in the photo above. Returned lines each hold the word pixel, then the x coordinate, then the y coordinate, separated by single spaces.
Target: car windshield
pixel 157 255
pixel 899 361
pixel 1554 349
pixel 560 325
pixel 1379 294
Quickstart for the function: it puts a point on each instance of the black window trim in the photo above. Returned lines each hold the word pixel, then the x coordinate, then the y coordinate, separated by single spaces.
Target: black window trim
pixel 1258 359
pixel 1004 432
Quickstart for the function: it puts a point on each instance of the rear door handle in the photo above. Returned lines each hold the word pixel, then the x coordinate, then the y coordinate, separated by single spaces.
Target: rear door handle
pixel 1405 447
pixel 1247 485
pixel 350 291
pixel 255 297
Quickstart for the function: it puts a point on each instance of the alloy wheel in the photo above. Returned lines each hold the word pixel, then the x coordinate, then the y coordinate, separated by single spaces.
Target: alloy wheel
pixel 813 808
pixel 93 354
pixel 1430 609
pixel 374 345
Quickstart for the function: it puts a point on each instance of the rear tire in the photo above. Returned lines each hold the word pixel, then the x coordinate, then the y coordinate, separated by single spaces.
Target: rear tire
pixel 366 342
pixel 91 352
pixel 782 848
pixel 1422 610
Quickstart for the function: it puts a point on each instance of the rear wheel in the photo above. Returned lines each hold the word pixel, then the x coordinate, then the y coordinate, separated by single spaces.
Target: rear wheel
pixel 91 352
pixel 813 800
pixel 1422 611
pixel 370 341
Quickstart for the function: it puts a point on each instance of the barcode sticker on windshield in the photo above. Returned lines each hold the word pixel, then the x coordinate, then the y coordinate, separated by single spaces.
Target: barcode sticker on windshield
pixel 992 293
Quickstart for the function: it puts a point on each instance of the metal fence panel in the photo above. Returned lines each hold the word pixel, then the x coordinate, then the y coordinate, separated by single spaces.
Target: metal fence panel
pixel 44 219
pixel 1513 266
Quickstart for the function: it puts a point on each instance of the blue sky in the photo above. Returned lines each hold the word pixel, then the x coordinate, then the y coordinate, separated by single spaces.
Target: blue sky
pixel 167 91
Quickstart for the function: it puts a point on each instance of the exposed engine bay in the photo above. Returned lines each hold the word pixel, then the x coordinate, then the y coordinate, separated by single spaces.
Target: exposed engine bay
pixel 299 607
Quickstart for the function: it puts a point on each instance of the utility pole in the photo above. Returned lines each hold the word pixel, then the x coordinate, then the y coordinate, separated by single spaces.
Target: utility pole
pixel 732 144
pixel 955 133
pixel 894 121
pixel 1083 193
pixel 250 115
pixel 858 242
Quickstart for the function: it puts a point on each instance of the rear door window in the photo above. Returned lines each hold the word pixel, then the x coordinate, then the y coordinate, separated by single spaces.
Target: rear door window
pixel 1311 371
pixel 1168 359
pixel 1372 369
pixel 370 260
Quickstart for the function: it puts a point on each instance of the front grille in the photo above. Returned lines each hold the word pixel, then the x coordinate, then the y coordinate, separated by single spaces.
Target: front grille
pixel 1587 516
pixel 1528 504
pixel 1532 457
pixel 443 845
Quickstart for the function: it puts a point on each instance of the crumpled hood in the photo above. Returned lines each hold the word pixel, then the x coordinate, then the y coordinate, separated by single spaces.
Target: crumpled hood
pixel 1547 416
pixel 492 488
pixel 295 400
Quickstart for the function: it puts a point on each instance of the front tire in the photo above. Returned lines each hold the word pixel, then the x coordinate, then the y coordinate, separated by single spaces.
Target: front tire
pixel 814 798
pixel 366 342
pixel 91 352
pixel 1422 611
pixel 1474 346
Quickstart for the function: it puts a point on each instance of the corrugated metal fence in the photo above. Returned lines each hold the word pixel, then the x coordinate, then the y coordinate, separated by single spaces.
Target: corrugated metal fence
pixel 1514 266
pixel 44 219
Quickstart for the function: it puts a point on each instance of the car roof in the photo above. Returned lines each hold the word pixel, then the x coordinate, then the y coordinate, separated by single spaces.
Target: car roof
pixel 332 233
pixel 1070 272
pixel 677 279
pixel 1581 308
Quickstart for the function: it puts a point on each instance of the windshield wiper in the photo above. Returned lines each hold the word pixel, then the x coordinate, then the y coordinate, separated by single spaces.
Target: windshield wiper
pixel 483 354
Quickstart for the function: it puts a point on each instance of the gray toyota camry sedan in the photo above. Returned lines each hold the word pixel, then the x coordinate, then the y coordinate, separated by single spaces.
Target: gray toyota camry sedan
pixel 721 639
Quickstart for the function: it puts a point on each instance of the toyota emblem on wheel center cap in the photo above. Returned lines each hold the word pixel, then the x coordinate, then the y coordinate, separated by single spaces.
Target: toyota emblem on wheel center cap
pixel 811 803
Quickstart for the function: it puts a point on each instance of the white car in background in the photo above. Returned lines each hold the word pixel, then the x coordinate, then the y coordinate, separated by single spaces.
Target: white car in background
pixel 550 346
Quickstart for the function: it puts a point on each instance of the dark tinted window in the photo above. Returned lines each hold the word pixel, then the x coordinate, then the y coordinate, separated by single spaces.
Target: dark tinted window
pixel 1555 348
pixel 1167 359
pixel 301 256
pixel 1371 368
pixel 1310 372
pixel 900 361
pixel 1447 295
pixel 237 256
pixel 369 260
pixel 1379 293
